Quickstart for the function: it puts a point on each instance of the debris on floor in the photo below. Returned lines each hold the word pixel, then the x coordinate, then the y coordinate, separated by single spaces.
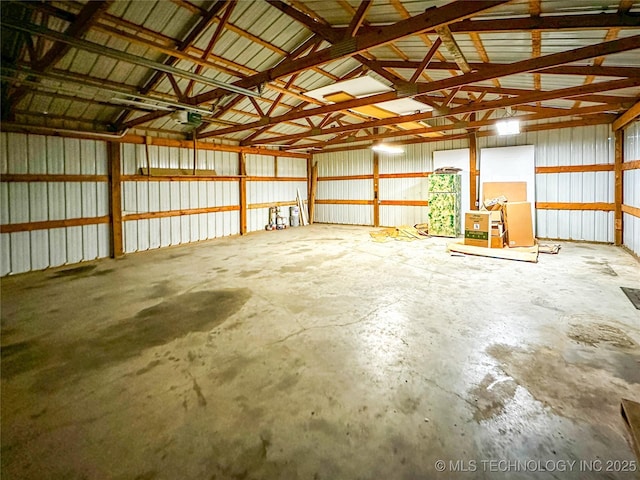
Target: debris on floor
pixel 633 294
pixel 631 413
pixel 523 254
pixel 403 233
pixel 552 249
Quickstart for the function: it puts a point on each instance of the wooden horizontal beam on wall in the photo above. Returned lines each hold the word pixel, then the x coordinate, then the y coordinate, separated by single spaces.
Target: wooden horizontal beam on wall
pixel 48 224
pixel 605 167
pixel 406 175
pixel 607 207
pixel 635 211
pixel 344 202
pixel 345 177
pixel 405 203
pixel 140 140
pixel 276 179
pixel 180 178
pixel 633 165
pixel 32 177
pixel 168 142
pixel 272 204
pixel 215 178
pixel 178 213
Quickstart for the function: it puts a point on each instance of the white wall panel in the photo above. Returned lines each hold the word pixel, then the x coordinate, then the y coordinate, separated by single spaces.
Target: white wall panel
pixel 42 201
pixel 344 214
pixel 271 192
pixel 292 167
pixel 356 162
pixel 5 254
pixel 587 145
pixel 631 188
pixel 392 216
pixel 403 188
pixel 345 190
pixel 412 161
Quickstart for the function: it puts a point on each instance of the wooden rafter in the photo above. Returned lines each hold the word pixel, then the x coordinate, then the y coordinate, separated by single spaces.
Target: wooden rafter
pixel 212 42
pixel 425 61
pixel 523 66
pixel 385 35
pixel 528 98
pixel 358 18
pixel 82 22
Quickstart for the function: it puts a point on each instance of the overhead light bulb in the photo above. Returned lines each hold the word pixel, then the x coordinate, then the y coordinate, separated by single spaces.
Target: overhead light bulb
pixel 384 148
pixel 508 127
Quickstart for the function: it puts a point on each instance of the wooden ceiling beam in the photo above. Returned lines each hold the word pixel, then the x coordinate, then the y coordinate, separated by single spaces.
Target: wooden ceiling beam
pixel 212 42
pixel 590 120
pixel 425 61
pixel 454 50
pixel 476 107
pixel 361 43
pixel 200 26
pixel 627 117
pixel 523 66
pixel 601 71
pixel 358 18
pixel 456 125
pixel 78 27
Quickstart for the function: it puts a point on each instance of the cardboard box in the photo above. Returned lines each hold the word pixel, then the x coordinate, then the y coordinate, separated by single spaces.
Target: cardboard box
pixel 513 191
pixel 498 235
pixel 518 223
pixel 495 216
pixel 477 229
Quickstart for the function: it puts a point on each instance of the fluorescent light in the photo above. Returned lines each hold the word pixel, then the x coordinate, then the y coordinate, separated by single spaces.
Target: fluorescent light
pixel 508 127
pixel 384 148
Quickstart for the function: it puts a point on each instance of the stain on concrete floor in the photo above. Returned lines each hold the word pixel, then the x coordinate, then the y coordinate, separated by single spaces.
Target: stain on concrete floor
pixel 173 318
pixel 595 334
pixel 560 385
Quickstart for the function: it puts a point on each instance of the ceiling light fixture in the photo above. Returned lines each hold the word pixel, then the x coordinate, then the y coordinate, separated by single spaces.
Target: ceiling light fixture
pixel 508 127
pixel 385 148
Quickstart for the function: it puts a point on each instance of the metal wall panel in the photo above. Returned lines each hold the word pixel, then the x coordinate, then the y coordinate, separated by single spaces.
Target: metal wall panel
pixel 292 167
pixel 411 161
pixel 42 201
pixel 345 190
pixel 587 145
pixel 391 216
pixel 631 187
pixel 344 214
pixel 355 162
pixel 271 192
pixel 153 196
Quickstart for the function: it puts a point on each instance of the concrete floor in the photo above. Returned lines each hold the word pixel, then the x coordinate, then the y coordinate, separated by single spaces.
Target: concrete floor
pixel 316 353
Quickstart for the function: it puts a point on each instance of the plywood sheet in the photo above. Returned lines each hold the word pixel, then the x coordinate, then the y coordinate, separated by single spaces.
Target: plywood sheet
pixel 523 254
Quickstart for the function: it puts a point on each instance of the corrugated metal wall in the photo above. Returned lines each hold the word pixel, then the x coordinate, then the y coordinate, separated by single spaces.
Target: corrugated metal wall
pixel 587 145
pixel 357 162
pixel 631 188
pixel 24 202
pixel 265 192
pixel 144 196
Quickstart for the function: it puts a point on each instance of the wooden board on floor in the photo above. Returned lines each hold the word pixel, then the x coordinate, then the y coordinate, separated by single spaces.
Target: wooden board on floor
pixel 631 413
pixel 523 254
